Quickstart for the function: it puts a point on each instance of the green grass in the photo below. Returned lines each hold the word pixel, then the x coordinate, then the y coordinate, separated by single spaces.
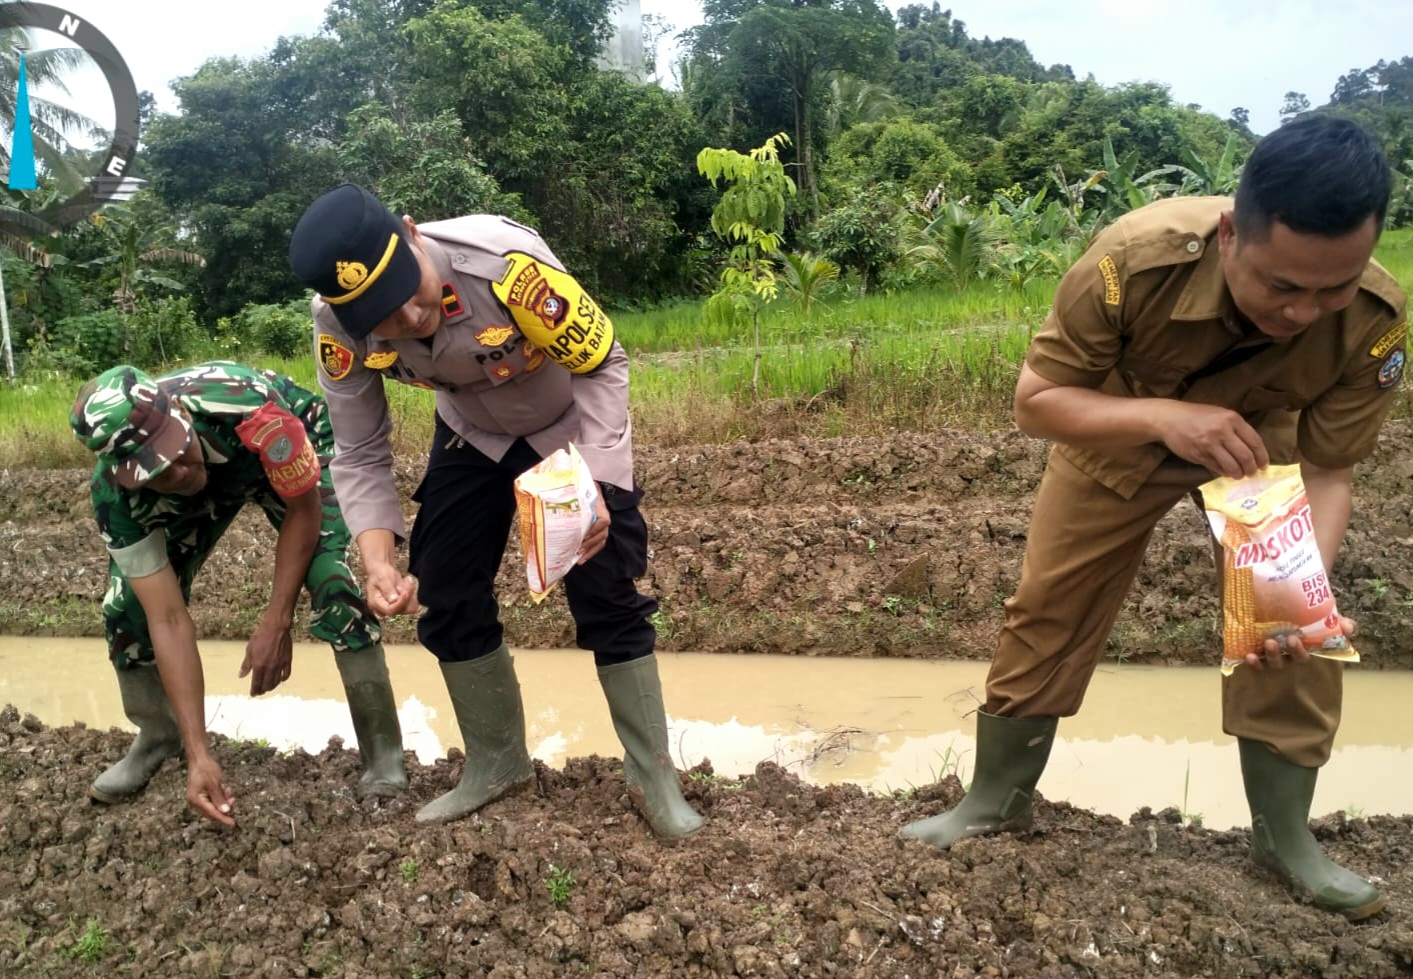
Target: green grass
pixel 921 360
pixel 90 945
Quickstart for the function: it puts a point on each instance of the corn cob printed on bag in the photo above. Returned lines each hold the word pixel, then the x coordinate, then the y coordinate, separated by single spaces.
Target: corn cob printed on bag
pixel 1274 582
pixel 554 500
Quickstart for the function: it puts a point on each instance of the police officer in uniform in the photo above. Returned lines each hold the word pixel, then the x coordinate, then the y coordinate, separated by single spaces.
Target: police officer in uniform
pixel 179 456
pixel 523 362
pixel 1199 337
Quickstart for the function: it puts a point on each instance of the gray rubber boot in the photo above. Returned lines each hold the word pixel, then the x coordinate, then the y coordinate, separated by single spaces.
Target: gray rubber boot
pixel 1011 753
pixel 634 694
pixel 1279 794
pixel 374 711
pixel 145 703
pixel 486 698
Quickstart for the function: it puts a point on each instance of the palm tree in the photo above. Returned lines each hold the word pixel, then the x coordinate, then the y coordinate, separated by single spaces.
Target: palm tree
pixel 51 121
pixel 960 245
pixel 853 100
pixel 805 277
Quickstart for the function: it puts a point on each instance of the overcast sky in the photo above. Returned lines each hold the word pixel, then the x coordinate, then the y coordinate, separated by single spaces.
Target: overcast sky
pixel 1217 53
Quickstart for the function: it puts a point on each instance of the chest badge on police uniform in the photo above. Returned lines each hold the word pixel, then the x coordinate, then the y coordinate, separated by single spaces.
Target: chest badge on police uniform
pixel 335 359
pixel 494 336
pixel 381 360
pixel 451 302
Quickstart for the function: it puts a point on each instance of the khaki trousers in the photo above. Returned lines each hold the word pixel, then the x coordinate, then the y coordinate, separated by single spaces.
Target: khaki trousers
pixel 1085 546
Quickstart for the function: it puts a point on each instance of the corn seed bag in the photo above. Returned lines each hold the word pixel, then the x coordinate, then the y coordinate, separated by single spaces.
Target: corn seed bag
pixel 554 500
pixel 1274 582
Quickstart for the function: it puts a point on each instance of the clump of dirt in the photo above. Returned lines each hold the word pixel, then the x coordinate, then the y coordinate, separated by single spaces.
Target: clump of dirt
pixel 900 546
pixel 786 880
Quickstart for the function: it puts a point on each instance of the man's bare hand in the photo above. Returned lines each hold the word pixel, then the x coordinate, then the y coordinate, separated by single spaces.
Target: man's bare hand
pixel 269 658
pixel 597 536
pixel 207 793
pixel 1218 439
pixel 389 591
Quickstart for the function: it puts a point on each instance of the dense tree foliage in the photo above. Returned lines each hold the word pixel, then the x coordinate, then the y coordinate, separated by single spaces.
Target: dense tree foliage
pixel 920 153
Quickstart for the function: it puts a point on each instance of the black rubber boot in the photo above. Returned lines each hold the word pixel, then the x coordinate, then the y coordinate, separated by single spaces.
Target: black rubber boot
pixel 634 694
pixel 145 703
pixel 1279 794
pixel 374 710
pixel 486 698
pixel 1011 753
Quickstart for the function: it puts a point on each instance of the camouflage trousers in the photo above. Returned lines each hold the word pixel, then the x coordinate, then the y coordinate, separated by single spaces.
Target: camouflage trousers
pixel 339 614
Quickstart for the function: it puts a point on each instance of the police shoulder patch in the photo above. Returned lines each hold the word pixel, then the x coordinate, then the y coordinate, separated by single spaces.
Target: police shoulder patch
pixel 335 360
pixel 381 360
pixel 1389 340
pixel 1110 271
pixel 554 313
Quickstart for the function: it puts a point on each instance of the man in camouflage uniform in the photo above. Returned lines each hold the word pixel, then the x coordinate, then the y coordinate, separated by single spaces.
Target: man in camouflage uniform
pixel 523 362
pixel 178 458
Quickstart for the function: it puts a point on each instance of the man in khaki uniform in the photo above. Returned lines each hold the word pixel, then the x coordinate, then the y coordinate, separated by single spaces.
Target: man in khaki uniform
pixel 523 361
pixel 1199 337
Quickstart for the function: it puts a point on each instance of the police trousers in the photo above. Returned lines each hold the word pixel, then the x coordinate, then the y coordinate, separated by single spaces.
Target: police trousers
pixel 1085 546
pixel 466 505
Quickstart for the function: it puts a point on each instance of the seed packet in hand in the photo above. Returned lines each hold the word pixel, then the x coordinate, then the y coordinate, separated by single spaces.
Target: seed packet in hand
pixel 555 502
pixel 1274 581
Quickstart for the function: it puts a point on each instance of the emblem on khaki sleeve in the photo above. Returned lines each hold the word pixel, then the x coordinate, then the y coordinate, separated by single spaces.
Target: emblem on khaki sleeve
pixel 1110 272
pixel 494 336
pixel 502 372
pixel 555 313
pixel 1389 340
pixel 335 359
pixel 1391 370
pixel 451 302
pixel 380 361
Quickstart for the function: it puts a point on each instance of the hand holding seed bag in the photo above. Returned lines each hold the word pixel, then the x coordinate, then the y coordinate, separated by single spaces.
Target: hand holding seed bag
pixel 555 500
pixel 1274 581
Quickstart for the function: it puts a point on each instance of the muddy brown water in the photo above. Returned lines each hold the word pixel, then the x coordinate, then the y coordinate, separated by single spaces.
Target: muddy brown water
pixel 1147 736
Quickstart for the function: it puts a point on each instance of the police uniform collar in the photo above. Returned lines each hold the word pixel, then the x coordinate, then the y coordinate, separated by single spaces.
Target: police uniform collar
pixel 1206 296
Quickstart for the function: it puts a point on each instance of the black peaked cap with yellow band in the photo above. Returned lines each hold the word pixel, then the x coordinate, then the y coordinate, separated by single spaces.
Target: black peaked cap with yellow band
pixel 352 251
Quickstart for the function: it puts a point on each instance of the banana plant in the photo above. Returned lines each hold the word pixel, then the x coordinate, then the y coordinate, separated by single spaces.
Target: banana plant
pixel 1125 189
pixel 1217 178
pixel 133 249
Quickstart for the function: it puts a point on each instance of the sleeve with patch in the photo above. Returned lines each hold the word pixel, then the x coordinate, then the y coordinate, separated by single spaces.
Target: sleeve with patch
pixel 1342 427
pixel 1082 337
pixel 555 313
pixel 282 444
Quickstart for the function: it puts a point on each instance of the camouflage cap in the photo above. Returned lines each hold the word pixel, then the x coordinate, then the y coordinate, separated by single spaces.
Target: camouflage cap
pixel 125 417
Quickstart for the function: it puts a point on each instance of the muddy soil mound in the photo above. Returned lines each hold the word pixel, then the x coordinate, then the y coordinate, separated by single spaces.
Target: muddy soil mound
pixel 786 880
pixel 904 546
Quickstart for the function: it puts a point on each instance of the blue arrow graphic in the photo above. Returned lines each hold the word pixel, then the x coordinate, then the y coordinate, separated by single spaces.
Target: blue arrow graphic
pixel 22 175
